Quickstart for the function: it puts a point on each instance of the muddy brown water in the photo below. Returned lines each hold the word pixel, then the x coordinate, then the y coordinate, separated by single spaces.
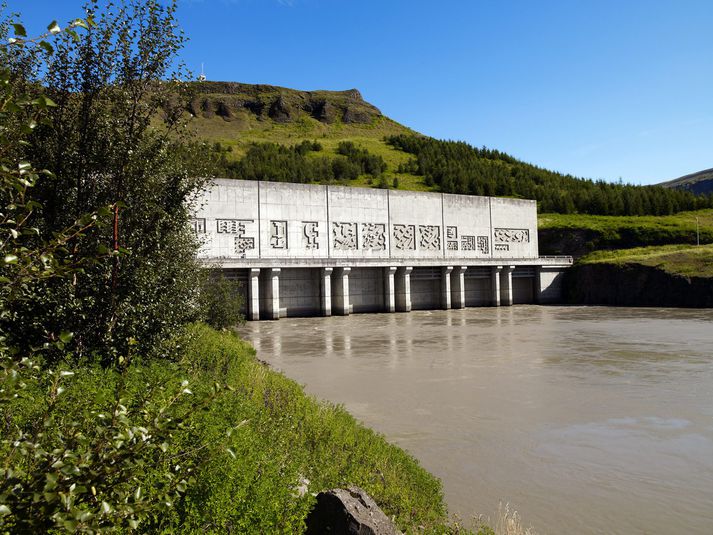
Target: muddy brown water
pixel 585 419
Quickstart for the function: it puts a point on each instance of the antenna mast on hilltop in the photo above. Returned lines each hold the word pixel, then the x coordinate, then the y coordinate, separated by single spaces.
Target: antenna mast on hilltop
pixel 202 77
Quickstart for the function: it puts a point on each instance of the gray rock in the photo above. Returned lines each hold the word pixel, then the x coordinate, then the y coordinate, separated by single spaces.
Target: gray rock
pixel 349 512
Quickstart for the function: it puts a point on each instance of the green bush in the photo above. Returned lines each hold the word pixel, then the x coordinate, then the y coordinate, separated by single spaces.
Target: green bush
pixel 220 300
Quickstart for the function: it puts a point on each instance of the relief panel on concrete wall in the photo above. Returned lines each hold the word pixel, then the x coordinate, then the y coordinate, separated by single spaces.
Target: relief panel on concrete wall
pixel 310 234
pixel 512 235
pixel 405 237
pixel 373 236
pixel 232 226
pixel 242 242
pixel 452 238
pixel 429 237
pixel 467 243
pixel 198 225
pixel 483 244
pixel 501 247
pixel 345 236
pixel 452 245
pixel 278 234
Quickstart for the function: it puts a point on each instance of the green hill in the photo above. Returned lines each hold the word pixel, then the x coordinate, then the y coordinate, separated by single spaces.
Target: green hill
pixel 698 183
pixel 263 132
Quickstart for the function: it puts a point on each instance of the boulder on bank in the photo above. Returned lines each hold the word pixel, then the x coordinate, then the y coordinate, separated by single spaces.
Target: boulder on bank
pixel 348 511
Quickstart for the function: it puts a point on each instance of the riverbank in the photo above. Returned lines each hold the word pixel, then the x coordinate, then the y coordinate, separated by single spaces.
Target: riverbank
pixel 666 276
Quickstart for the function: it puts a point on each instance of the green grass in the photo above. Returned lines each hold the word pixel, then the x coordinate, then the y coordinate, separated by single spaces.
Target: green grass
pixel 686 260
pixel 606 232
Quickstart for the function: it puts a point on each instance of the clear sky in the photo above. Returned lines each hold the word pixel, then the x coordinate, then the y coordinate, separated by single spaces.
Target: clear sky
pixel 597 88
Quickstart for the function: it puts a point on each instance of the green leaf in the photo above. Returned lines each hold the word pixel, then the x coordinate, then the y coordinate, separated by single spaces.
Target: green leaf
pixel 4 510
pixel 19 30
pixel 48 47
pixel 10 259
pixel 54 28
pixel 65 337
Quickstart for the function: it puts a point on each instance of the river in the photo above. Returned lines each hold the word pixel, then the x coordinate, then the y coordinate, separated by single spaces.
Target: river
pixel 585 419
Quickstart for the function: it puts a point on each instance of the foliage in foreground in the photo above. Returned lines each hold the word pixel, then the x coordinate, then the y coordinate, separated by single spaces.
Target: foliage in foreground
pixel 214 443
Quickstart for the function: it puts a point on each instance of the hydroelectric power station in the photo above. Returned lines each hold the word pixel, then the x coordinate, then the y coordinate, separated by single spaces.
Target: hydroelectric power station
pixel 304 250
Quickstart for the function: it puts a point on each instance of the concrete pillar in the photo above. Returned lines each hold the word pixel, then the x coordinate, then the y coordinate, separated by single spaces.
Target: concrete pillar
pixel 506 286
pixel 538 285
pixel 458 287
pixel 389 290
pixel 495 285
pixel 254 294
pixel 403 289
pixel 325 290
pixel 272 293
pixel 340 291
pixel 446 287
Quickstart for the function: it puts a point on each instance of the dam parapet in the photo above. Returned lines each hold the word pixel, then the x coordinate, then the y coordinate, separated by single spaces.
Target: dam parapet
pixel 303 250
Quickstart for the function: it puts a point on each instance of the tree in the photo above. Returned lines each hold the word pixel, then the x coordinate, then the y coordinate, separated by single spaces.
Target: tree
pixel 114 137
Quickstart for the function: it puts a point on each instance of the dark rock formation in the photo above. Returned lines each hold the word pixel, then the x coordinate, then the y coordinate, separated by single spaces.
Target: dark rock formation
pixel 635 285
pixel 348 512
pixel 280 104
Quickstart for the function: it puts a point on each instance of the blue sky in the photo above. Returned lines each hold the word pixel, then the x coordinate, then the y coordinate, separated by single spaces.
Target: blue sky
pixel 597 88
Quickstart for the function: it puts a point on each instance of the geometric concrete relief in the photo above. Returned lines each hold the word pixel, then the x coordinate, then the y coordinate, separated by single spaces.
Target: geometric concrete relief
pixel 501 247
pixel 483 244
pixel 278 234
pixel 512 235
pixel 310 233
pixel 451 233
pixel 345 236
pixel 237 226
pixel 373 236
pixel 452 245
pixel 467 243
pixel 232 226
pixel 429 238
pixel 198 224
pixel 405 237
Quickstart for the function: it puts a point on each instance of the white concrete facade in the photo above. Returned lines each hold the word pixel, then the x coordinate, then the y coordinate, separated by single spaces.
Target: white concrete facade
pixel 334 250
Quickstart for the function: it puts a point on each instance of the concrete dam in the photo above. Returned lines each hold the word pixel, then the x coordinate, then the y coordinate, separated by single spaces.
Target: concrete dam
pixel 305 250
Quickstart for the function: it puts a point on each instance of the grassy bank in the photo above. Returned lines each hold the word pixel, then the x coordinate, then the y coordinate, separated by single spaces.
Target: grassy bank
pixel 685 260
pixel 578 234
pixel 248 438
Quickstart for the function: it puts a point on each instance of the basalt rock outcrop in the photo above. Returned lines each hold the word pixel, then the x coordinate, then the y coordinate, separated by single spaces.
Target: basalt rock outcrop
pixel 348 512
pixel 266 102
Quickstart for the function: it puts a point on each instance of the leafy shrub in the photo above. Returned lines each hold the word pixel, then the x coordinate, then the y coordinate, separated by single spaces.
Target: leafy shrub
pixel 220 300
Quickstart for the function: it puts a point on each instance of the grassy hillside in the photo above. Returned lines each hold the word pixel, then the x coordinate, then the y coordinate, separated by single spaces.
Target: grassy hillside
pixel 699 183
pixel 579 234
pixel 238 115
pixel 684 260
pixel 238 120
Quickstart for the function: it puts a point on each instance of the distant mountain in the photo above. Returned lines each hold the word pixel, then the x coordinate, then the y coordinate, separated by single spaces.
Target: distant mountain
pixel 698 183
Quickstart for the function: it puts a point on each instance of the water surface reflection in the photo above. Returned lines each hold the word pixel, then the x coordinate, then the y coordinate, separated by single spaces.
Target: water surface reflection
pixel 588 419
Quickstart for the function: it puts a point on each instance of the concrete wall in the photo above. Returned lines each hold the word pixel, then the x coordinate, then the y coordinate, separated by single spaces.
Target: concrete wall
pixel 478 288
pixel 550 284
pixel 300 292
pixel 426 288
pixel 366 289
pixel 267 220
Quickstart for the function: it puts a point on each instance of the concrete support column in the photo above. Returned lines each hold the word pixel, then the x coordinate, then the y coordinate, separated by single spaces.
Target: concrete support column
pixel 403 289
pixel 506 286
pixel 538 285
pixel 389 290
pixel 495 285
pixel 254 294
pixel 325 290
pixel 446 287
pixel 272 293
pixel 458 287
pixel 340 291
